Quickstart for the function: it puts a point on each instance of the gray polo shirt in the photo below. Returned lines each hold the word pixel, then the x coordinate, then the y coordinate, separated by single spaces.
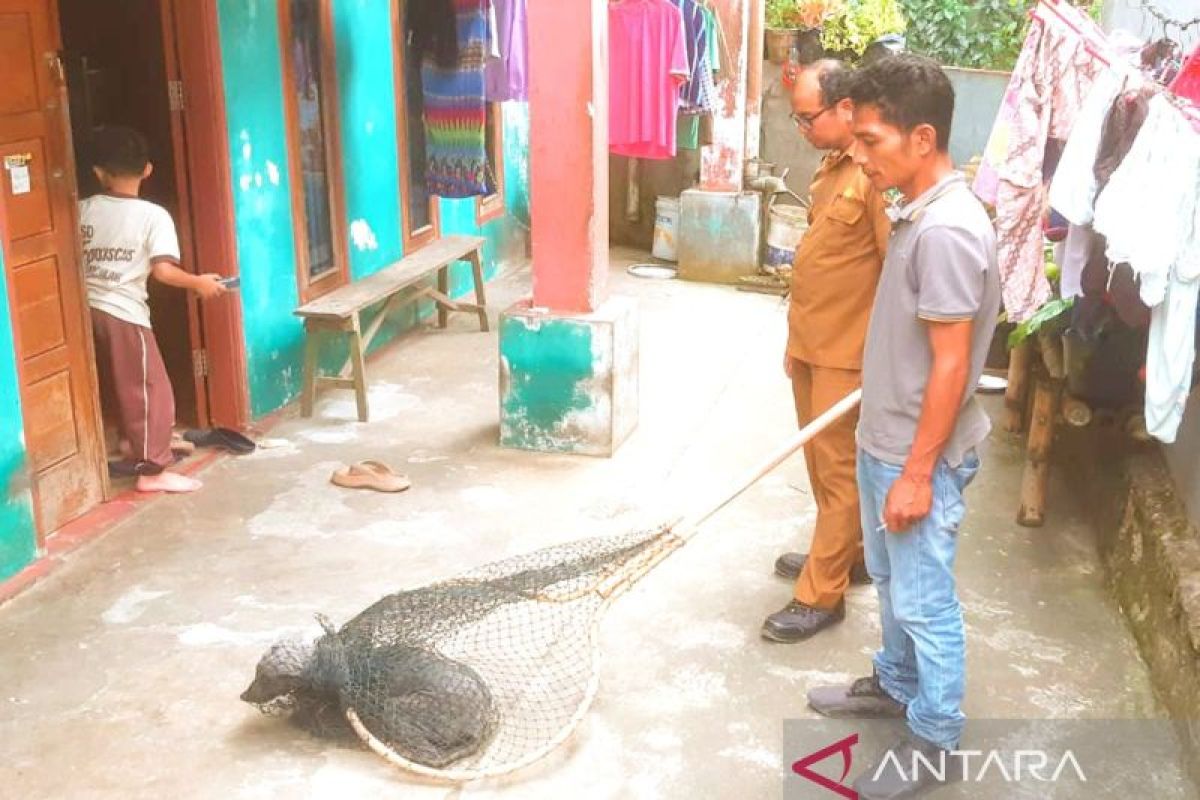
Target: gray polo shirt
pixel 940 267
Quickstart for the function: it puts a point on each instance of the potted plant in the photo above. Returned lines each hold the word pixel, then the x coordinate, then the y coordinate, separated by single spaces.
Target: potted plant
pixel 858 23
pixel 793 28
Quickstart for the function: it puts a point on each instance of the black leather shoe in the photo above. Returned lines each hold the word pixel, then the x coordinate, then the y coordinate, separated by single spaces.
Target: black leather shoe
pixel 796 622
pixel 903 775
pixel 863 699
pixel 790 565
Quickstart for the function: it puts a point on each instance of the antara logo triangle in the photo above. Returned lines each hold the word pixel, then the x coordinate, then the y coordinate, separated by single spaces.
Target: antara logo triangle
pixel 845 747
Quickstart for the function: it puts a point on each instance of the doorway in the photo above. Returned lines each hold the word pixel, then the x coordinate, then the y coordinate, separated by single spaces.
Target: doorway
pixel 68 66
pixel 116 69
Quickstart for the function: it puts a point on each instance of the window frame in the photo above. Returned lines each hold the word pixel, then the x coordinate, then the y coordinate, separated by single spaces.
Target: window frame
pixel 492 206
pixel 311 288
pixel 413 240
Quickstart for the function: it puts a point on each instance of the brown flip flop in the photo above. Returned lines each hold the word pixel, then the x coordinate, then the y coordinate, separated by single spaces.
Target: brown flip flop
pixel 373 475
pixel 181 445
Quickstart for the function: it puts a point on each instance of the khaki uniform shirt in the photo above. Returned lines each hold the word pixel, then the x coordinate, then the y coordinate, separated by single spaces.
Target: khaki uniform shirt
pixel 837 266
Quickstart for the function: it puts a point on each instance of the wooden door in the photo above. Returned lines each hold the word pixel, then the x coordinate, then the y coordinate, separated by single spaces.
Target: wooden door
pixel 184 215
pixel 201 135
pixel 57 375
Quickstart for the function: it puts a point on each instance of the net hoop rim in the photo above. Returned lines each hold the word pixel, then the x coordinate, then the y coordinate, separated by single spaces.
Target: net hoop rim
pixel 468 775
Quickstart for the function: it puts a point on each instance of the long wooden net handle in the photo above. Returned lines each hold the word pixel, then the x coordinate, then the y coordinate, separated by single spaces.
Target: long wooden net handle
pixel 683 530
pixel 687 528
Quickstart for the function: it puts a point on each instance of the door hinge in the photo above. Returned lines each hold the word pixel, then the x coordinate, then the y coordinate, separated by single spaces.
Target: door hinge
pixel 200 363
pixel 175 93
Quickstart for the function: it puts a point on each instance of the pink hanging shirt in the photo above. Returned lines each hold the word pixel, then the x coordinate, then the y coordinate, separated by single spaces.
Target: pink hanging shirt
pixel 647 64
pixel 1187 84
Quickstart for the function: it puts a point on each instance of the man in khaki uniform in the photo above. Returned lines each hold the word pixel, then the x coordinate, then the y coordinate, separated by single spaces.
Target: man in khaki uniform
pixel 833 287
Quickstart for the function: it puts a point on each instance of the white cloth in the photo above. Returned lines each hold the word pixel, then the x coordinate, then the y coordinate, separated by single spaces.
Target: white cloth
pixel 1081 246
pixel 122 238
pixel 1170 356
pixel 1073 190
pixel 1150 213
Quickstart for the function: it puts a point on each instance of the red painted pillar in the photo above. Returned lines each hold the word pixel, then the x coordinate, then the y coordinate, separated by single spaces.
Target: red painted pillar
pixel 568 137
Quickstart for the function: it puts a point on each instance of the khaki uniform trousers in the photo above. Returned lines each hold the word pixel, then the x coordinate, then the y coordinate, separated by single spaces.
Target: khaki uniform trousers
pixel 837 543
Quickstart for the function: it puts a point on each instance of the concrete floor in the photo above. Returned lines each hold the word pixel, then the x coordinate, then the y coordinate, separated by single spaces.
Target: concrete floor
pixel 121 671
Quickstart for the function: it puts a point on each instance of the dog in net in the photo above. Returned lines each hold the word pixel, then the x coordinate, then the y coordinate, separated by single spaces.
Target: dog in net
pixel 469 677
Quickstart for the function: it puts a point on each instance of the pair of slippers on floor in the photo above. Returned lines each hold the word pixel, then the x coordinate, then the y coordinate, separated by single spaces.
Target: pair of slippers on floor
pixel 374 475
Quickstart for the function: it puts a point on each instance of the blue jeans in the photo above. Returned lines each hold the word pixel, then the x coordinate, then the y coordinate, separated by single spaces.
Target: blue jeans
pixel 922 662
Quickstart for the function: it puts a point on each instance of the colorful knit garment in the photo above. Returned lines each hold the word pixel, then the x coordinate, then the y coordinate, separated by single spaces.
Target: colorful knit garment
pixel 456 113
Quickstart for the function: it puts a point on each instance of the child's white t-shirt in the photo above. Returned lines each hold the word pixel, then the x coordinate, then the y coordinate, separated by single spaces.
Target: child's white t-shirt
pixel 122 238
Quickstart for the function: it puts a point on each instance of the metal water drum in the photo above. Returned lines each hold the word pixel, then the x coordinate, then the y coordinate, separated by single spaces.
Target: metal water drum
pixel 666 228
pixel 784 231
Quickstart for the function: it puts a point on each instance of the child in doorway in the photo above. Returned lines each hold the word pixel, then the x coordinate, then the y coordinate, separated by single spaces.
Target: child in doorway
pixel 125 241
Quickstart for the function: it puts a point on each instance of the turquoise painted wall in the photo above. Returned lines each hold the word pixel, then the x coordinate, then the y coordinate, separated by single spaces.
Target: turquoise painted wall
pixel 253 75
pixel 18 536
pixel 266 247
pixel 366 92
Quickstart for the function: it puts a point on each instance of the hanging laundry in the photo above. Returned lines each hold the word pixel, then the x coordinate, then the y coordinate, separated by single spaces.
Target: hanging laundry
pixel 1162 60
pixel 507 72
pixel 1053 74
pixel 456 111
pixel 1187 83
pixel 1150 214
pixel 712 27
pixel 1073 189
pixel 647 65
pixel 1107 286
pixel 691 123
pixel 687 135
pixel 699 93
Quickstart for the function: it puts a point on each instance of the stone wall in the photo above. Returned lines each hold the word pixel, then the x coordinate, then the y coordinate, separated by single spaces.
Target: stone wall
pixel 1151 553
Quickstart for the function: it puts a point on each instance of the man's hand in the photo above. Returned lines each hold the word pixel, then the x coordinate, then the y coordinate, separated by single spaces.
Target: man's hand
pixel 209 286
pixel 787 365
pixel 908 502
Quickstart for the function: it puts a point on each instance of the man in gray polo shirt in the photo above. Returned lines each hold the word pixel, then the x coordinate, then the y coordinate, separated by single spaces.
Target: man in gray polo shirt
pixel 931 326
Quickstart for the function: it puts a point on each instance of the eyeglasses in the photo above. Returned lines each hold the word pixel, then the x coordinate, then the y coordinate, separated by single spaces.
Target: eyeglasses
pixel 806 121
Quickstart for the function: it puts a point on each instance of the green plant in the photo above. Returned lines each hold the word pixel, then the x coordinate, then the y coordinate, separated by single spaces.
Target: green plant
pixel 861 22
pixel 1053 313
pixel 807 14
pixel 982 34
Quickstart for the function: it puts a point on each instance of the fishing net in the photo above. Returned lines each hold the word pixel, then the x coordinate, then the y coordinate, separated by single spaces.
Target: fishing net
pixel 488 672
pixel 468 677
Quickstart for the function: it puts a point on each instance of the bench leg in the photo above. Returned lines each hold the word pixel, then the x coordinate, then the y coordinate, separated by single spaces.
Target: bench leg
pixel 443 283
pixel 476 259
pixel 308 392
pixel 359 370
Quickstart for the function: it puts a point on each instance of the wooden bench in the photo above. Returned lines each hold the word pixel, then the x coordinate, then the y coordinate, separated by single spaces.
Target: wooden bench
pixel 338 311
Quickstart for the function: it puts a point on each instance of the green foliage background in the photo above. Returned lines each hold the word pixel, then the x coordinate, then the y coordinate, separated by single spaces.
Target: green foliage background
pixel 984 34
pixel 860 23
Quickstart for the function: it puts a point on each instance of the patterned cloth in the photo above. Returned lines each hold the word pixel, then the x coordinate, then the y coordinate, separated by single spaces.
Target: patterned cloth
pixel 1049 83
pixel 456 110
pixel 699 92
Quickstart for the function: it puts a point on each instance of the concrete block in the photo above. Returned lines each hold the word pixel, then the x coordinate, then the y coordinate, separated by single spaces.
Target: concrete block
pixel 718 235
pixel 569 383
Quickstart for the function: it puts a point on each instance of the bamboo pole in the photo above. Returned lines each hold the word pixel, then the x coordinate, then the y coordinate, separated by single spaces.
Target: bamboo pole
pixel 1036 476
pixel 1018 387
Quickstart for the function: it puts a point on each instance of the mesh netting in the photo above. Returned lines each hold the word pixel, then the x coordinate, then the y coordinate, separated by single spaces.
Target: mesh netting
pixel 478 673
